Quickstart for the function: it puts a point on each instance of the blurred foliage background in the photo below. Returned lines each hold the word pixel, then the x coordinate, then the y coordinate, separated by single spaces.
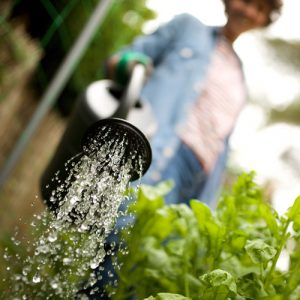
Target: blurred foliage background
pixel 287 55
pixel 56 24
pixel 35 37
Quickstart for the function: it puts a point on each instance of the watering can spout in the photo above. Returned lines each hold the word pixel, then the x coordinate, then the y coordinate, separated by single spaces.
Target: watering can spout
pixel 137 149
pixel 99 118
pixel 134 140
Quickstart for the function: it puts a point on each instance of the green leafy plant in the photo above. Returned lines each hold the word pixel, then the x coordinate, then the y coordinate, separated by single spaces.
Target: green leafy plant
pixel 193 252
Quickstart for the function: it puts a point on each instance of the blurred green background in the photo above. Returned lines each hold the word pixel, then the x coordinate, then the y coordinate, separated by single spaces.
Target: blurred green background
pixel 35 37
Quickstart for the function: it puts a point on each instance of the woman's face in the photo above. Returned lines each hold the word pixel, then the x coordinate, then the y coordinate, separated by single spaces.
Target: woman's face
pixel 244 15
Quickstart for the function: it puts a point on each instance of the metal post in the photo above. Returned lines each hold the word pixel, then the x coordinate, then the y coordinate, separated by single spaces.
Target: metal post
pixel 56 85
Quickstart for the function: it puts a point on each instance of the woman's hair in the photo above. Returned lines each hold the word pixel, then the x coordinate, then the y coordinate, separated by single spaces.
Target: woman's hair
pixel 275 9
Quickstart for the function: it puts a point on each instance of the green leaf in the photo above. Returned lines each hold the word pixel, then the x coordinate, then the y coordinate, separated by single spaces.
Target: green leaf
pixel 219 278
pixel 161 223
pixel 157 258
pixel 271 218
pixel 149 198
pixel 235 248
pixel 211 229
pixel 295 295
pixel 156 277
pixel 168 296
pixel 226 211
pixel 238 267
pixel 293 214
pixel 160 190
pixel 202 213
pixel 238 241
pixel 294 210
pixel 176 247
pixel 259 251
pixel 185 223
pixel 250 286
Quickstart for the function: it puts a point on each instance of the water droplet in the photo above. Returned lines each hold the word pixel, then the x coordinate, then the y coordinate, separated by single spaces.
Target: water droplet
pixel 36 279
pixel 25 271
pixel 74 199
pixel 84 227
pixel 67 261
pixel 18 277
pixel 86 211
pixel 52 237
pixel 54 285
pixel 94 264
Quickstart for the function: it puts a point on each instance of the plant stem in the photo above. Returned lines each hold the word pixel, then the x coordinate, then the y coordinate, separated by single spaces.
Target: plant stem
pixel 186 282
pixel 261 271
pixel 274 261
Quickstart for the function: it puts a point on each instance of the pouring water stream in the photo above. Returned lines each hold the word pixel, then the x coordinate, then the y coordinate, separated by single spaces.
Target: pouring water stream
pixel 70 239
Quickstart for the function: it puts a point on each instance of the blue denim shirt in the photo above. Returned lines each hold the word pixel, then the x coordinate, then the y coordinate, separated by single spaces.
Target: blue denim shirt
pixel 180 51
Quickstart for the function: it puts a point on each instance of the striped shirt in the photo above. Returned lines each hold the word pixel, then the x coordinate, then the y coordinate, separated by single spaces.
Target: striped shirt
pixel 212 117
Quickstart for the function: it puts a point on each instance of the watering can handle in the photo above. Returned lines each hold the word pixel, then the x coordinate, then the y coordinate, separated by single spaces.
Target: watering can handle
pixel 132 91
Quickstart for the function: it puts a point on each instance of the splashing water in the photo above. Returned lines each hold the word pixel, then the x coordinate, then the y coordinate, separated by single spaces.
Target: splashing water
pixel 70 242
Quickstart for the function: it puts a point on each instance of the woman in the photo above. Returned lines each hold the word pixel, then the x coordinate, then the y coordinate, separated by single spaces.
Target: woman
pixel 196 90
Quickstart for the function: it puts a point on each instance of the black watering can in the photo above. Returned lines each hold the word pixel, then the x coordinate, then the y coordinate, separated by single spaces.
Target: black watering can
pixel 102 105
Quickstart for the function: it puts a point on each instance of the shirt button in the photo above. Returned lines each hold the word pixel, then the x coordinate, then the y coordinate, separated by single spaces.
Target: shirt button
pixel 186 52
